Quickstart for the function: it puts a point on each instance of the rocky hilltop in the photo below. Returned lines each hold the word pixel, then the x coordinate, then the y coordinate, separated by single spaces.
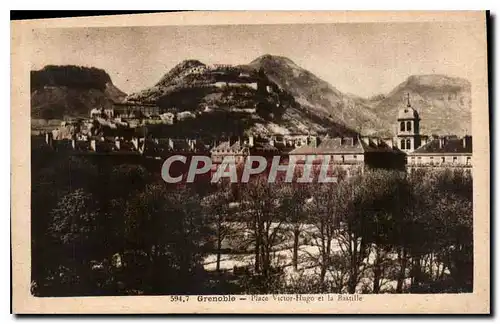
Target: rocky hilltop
pixel 60 91
pixel 235 99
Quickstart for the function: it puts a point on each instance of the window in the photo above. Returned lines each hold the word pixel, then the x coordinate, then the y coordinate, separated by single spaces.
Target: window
pixel 468 160
pixel 402 144
pixel 354 157
pixel 443 159
pixel 343 159
pixel 402 126
pixel 454 159
pixel 408 126
pixel 408 144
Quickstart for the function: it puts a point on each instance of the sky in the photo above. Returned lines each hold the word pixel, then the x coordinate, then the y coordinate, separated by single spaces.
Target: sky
pixel 364 59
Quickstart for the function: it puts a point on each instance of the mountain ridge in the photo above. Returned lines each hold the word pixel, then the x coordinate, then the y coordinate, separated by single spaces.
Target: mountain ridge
pixel 377 115
pixel 297 102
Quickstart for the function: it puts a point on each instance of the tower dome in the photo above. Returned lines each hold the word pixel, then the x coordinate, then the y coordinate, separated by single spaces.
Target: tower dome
pixel 407 113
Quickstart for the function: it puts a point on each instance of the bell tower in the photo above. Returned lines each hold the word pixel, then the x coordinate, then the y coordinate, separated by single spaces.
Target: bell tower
pixel 408 128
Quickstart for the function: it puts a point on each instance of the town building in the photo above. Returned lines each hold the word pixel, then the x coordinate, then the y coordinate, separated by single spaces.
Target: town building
pixel 442 152
pixel 102 113
pixel 350 155
pixel 131 109
pixel 232 147
pixel 165 147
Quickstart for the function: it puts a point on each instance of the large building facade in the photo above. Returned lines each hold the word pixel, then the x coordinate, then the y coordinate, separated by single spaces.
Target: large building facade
pixel 443 152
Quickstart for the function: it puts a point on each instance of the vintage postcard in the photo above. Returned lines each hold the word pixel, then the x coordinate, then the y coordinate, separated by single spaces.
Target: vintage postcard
pixel 251 162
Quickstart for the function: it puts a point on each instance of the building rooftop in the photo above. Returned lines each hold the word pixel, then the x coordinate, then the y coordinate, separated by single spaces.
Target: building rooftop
pixel 134 103
pixel 332 145
pixel 228 146
pixel 264 147
pixel 168 145
pixel 379 145
pixel 446 145
pixel 349 145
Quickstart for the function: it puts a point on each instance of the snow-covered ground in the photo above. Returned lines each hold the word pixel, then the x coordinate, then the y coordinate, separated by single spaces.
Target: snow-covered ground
pixel 308 256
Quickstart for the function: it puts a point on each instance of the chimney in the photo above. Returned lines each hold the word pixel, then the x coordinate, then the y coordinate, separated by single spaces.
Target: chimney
pixel 141 145
pixel 348 141
pixel 135 142
pixel 337 141
pixel 93 145
pixel 312 141
pixel 442 142
pixel 48 138
pixel 464 141
pixel 192 144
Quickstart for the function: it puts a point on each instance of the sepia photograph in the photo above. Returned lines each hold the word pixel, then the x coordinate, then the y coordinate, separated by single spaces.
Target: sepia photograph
pixel 319 162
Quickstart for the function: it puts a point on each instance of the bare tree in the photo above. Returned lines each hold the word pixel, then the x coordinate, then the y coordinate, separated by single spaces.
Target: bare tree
pixel 325 207
pixel 294 196
pixel 262 202
pixel 217 210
